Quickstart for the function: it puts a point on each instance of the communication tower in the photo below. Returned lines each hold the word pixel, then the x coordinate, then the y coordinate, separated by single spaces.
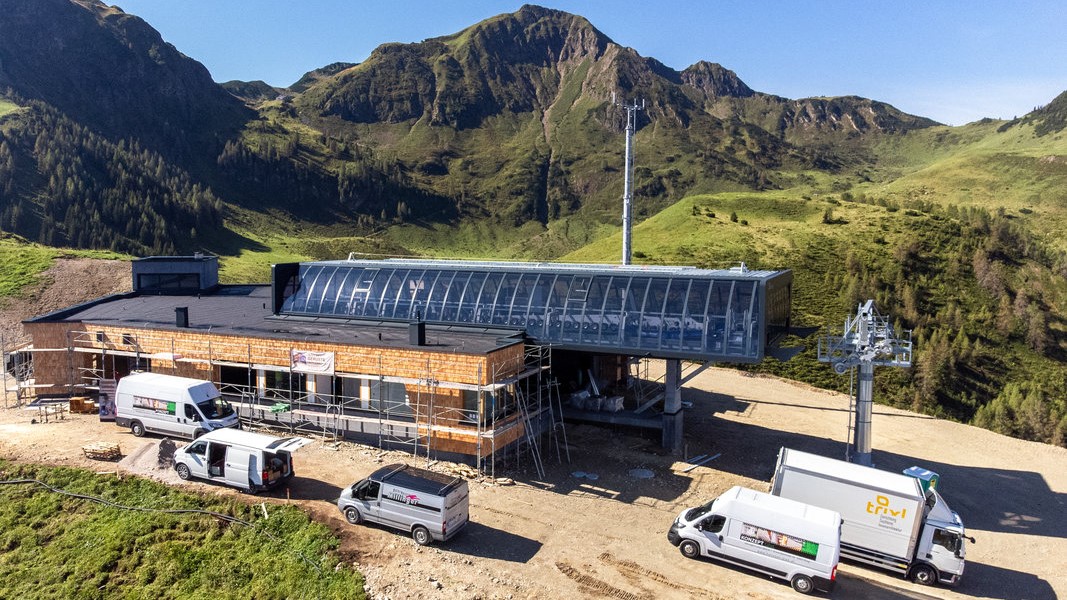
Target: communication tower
pixel 627 190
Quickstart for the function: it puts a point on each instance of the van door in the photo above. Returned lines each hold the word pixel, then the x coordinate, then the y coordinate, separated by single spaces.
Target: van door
pixel 197 461
pixel 712 527
pixel 238 465
pixel 188 420
pixel 367 494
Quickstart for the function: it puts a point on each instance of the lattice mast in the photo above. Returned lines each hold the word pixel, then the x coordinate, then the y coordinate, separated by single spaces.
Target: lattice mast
pixel 868 341
pixel 627 190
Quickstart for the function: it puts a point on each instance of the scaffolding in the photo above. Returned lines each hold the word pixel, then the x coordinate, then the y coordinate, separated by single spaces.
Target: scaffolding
pixel 397 412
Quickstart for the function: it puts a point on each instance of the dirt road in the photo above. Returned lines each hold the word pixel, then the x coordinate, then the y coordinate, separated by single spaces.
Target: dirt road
pixel 565 536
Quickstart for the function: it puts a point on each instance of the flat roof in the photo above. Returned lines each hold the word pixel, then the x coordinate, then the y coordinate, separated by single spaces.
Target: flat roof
pixel 245 311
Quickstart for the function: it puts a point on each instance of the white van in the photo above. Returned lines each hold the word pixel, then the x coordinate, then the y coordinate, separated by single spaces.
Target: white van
pixel 245 460
pixel 179 406
pixel 429 505
pixel 778 537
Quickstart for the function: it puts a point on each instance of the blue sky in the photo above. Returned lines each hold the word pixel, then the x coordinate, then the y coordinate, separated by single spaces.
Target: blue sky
pixel 952 61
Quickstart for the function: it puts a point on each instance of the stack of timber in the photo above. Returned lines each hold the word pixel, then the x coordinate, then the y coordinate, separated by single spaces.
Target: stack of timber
pixel 102 450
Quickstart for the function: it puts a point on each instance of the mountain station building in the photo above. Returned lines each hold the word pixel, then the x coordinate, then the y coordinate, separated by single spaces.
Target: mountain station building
pixel 461 360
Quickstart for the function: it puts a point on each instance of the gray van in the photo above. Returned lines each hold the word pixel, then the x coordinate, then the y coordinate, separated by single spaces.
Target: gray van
pixel 431 506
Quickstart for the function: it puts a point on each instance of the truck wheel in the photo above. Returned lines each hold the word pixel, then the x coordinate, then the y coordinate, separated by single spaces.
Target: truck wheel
pixel 421 535
pixel 689 548
pixel 802 584
pixel 137 429
pixel 352 516
pixel 923 574
pixel 183 470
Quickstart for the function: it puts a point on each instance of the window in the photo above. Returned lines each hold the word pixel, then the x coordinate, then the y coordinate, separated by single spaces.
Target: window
pixel 714 523
pixel 158 282
pixel 389 397
pixel 947 540
pixel 199 448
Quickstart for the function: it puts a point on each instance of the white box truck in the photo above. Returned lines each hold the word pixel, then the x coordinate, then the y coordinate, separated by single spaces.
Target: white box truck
pixel 242 459
pixel 889 521
pixel 429 505
pixel 775 536
pixel 179 406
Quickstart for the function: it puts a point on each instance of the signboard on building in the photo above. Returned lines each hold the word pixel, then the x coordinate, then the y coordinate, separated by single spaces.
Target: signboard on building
pixel 308 361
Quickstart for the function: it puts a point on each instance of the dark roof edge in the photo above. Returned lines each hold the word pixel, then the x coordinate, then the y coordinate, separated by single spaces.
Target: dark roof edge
pixel 63 313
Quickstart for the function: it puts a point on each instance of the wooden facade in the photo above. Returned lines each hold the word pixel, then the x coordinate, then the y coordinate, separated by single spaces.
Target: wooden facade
pixel 71 357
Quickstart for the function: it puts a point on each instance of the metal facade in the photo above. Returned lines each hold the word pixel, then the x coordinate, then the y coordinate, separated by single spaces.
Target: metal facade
pixel 670 312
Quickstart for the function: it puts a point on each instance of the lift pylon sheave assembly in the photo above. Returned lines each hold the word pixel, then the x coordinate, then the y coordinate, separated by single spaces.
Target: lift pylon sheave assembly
pixel 868 341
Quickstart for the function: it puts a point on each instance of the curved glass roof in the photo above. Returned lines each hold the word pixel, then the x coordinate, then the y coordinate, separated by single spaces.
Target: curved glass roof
pixel 670 312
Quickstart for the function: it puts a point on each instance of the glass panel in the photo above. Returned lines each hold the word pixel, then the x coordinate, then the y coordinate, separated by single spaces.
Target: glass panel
pixel 673 311
pixel 418 290
pixel 557 299
pixel 593 317
pixel 695 316
pixel 536 318
pixel 652 316
pixel 409 286
pixel 382 297
pixel 453 295
pixel 436 301
pixel 611 331
pixel 469 300
pixel 502 304
pixel 635 299
pixel 484 311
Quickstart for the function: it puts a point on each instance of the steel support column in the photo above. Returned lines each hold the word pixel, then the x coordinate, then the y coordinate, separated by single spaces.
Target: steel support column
pixel 672 406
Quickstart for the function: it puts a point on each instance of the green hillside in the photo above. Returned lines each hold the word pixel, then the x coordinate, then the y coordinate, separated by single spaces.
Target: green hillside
pixel 503 140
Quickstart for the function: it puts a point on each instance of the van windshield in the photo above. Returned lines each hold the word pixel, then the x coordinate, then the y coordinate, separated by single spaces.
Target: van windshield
pixel 215 408
pixel 695 513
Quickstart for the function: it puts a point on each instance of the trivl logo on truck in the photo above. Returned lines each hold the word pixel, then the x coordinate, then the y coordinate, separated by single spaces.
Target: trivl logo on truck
pixel 887 515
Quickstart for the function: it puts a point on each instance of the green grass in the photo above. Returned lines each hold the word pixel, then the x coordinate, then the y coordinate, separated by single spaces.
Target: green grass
pixel 7 106
pixel 21 262
pixel 54 546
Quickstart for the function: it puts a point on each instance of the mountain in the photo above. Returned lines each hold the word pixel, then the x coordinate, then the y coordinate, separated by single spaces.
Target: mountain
pixel 113 73
pixel 251 91
pixel 505 140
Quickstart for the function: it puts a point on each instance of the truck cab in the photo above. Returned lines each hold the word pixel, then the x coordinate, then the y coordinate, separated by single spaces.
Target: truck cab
pixel 941 544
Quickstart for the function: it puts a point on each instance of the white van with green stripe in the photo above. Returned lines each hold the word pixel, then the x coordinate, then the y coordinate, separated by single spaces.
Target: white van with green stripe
pixel 789 540
pixel 428 505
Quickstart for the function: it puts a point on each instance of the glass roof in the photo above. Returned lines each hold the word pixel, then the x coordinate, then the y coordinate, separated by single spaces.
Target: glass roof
pixel 669 312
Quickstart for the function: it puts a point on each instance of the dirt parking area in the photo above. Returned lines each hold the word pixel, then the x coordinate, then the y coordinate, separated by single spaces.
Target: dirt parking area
pixel 603 534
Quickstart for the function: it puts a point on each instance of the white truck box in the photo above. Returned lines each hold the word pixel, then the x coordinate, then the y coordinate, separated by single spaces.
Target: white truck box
pixel 889 522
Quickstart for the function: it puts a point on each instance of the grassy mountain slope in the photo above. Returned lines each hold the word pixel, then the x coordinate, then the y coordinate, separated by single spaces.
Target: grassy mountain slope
pixel 503 140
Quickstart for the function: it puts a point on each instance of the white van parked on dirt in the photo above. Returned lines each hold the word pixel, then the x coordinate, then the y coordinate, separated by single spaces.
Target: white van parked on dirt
pixel 429 505
pixel 789 540
pixel 243 459
pixel 179 406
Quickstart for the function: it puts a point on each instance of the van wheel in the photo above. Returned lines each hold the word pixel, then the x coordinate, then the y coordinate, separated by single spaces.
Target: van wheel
pixel 803 584
pixel 923 574
pixel 421 535
pixel 137 429
pixel 689 548
pixel 198 432
pixel 183 470
pixel 352 516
